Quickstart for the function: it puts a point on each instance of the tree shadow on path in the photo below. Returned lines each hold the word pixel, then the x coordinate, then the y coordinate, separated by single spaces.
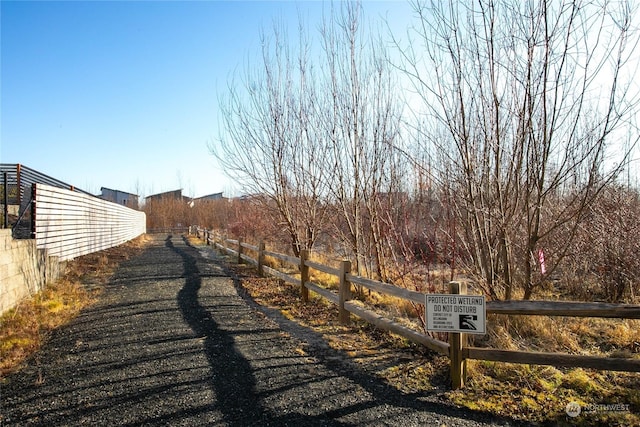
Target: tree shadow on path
pixel 233 381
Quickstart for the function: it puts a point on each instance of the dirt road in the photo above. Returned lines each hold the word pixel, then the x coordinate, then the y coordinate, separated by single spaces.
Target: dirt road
pixel 171 342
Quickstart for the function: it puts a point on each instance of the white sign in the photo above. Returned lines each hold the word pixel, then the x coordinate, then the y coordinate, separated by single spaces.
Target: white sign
pixel 456 313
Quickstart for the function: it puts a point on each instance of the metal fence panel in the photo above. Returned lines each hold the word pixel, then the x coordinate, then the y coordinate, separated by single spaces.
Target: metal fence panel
pixel 70 224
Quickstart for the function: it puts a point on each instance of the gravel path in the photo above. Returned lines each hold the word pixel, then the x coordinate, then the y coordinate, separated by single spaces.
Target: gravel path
pixel 171 342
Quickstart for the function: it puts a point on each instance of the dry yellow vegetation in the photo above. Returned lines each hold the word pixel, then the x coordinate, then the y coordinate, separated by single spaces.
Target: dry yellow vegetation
pixel 25 328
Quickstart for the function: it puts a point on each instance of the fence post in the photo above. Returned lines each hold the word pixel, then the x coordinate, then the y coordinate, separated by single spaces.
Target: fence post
pixel 456 343
pixel 344 293
pixel 5 201
pixel 239 250
pixel 19 183
pixel 304 274
pixel 261 258
pixel 33 210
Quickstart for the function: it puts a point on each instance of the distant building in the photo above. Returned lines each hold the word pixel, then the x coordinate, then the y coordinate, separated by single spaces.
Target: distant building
pixel 120 197
pixel 214 196
pixel 167 195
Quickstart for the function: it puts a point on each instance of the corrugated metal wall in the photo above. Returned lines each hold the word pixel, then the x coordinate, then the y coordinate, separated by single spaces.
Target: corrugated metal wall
pixel 70 224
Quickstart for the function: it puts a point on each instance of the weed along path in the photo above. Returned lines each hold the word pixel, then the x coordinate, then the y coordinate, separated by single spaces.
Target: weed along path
pixel 172 342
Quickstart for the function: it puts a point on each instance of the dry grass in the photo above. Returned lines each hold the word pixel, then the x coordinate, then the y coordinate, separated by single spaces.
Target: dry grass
pixel 574 335
pixel 541 393
pixel 386 355
pixel 25 328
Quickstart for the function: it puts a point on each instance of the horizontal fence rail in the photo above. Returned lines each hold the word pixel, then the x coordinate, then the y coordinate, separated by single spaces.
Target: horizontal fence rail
pixel 459 352
pixel 565 309
pixel 70 224
pixel 17 183
pixel 21 178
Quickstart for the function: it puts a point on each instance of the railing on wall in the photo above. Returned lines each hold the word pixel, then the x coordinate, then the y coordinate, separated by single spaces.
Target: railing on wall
pixel 17 182
pixel 70 224
pixel 457 348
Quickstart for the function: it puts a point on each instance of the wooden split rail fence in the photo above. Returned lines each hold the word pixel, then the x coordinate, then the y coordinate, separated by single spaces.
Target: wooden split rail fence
pixel 457 348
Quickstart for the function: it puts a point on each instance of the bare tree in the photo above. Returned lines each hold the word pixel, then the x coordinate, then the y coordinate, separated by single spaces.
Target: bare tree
pixel 167 213
pixel 526 102
pixel 361 124
pixel 606 260
pixel 308 149
pixel 269 144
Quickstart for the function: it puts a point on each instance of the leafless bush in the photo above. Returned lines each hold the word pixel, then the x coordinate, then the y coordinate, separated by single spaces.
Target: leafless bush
pixel 606 264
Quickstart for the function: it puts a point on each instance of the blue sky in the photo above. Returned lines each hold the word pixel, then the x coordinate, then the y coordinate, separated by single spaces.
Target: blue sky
pixel 124 94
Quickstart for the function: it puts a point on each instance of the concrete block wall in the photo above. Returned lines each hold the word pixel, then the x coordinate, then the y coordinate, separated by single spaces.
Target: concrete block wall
pixel 24 269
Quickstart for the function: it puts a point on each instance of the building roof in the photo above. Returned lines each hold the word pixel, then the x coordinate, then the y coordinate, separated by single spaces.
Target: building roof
pixel 102 189
pixel 175 194
pixel 213 196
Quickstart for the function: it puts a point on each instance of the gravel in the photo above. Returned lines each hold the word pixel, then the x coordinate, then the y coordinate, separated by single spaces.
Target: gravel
pixel 173 342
